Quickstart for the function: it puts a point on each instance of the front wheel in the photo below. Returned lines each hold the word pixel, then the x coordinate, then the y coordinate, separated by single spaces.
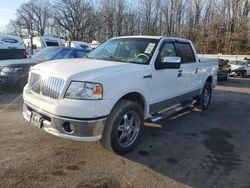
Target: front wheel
pixel 227 76
pixel 124 127
pixel 203 100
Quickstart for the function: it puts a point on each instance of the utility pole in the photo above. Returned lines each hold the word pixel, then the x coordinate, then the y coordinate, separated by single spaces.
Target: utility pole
pixel 31 42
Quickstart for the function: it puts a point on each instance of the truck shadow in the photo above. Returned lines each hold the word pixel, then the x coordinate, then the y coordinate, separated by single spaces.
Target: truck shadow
pixel 200 148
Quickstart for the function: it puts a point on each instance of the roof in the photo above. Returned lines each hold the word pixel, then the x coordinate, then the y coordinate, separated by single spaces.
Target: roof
pixel 9 36
pixel 142 36
pixel 155 37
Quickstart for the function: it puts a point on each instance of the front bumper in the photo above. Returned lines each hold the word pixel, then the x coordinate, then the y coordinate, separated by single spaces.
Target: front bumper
pixel 83 130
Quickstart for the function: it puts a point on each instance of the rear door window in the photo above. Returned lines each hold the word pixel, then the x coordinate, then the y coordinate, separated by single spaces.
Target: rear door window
pixel 185 51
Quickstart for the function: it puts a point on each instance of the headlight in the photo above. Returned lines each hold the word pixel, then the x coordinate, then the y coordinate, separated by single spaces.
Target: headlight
pixel 84 90
pixel 10 69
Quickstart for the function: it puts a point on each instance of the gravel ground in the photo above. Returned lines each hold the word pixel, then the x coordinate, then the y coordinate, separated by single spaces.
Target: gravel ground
pixel 191 149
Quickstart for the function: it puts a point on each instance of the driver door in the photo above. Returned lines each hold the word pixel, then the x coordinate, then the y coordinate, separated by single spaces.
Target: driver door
pixel 166 83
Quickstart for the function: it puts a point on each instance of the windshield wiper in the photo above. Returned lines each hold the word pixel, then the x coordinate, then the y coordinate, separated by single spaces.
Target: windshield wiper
pixel 112 58
pixel 89 57
pixel 122 59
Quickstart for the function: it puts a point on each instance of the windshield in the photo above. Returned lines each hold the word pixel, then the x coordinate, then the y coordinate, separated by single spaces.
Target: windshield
pixel 51 53
pixel 129 50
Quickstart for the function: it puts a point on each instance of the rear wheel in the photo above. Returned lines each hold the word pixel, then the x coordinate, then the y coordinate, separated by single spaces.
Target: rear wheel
pixel 124 127
pixel 244 74
pixel 203 100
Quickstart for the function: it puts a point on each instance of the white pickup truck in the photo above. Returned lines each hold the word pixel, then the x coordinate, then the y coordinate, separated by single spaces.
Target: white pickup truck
pixel 108 95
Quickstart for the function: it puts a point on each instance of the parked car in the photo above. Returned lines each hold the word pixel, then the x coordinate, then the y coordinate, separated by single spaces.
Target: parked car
pixel 42 42
pixel 77 44
pixel 224 69
pixel 107 95
pixel 95 44
pixel 12 47
pixel 240 68
pixel 14 73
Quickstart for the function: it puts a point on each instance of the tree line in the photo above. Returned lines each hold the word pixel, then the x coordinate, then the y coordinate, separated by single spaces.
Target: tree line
pixel 215 26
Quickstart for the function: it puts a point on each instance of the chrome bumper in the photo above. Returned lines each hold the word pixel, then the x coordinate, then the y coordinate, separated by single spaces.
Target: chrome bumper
pixel 83 130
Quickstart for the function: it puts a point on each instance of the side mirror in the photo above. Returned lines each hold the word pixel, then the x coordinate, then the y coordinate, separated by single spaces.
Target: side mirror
pixel 170 62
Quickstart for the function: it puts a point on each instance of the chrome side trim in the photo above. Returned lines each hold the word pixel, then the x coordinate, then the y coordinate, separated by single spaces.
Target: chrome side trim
pixel 156 107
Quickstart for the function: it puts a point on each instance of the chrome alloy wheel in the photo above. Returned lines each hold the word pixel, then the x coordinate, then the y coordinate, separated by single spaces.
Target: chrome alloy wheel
pixel 128 129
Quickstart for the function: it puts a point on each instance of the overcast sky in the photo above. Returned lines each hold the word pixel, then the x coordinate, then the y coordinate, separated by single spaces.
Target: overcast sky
pixel 8 10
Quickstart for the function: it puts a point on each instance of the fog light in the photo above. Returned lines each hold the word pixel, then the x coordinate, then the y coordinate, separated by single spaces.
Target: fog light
pixel 68 128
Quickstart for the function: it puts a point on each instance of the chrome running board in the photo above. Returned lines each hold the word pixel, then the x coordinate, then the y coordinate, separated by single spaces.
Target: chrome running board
pixel 167 114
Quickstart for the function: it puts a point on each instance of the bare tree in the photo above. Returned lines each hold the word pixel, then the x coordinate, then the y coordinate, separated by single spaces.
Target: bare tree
pixel 14 28
pixel 75 16
pixel 214 26
pixel 34 15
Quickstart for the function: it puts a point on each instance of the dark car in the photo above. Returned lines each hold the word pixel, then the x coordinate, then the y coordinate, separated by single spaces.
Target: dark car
pixel 14 73
pixel 224 69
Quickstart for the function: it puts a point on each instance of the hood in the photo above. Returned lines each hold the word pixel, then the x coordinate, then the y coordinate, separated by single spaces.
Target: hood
pixel 18 62
pixel 74 68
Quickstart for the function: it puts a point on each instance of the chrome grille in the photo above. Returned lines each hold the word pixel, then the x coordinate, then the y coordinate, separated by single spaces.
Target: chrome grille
pixel 48 86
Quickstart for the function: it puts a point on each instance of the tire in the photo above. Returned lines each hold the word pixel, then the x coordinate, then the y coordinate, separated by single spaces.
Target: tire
pixel 121 134
pixel 203 100
pixel 227 77
pixel 22 82
pixel 244 74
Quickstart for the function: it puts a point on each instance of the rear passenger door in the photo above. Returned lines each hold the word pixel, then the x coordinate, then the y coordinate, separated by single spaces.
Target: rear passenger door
pixel 189 66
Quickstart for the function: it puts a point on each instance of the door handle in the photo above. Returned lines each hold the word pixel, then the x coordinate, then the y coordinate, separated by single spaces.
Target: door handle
pixel 147 76
pixel 196 70
pixel 179 73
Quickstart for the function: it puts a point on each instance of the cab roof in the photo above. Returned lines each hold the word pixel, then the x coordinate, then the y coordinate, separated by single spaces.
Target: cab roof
pixel 156 37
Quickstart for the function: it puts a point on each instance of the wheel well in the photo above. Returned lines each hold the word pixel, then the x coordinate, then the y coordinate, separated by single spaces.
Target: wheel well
pixel 210 80
pixel 135 97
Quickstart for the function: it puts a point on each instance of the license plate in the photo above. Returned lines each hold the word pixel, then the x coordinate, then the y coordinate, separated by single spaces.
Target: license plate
pixel 36 120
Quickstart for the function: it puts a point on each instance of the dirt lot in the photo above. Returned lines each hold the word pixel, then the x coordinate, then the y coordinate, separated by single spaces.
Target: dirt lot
pixel 197 149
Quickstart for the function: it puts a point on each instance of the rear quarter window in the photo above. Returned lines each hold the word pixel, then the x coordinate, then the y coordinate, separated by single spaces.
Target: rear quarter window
pixel 52 43
pixel 185 51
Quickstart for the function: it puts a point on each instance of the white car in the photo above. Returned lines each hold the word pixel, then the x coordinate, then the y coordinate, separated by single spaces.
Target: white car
pixel 240 68
pixel 107 95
